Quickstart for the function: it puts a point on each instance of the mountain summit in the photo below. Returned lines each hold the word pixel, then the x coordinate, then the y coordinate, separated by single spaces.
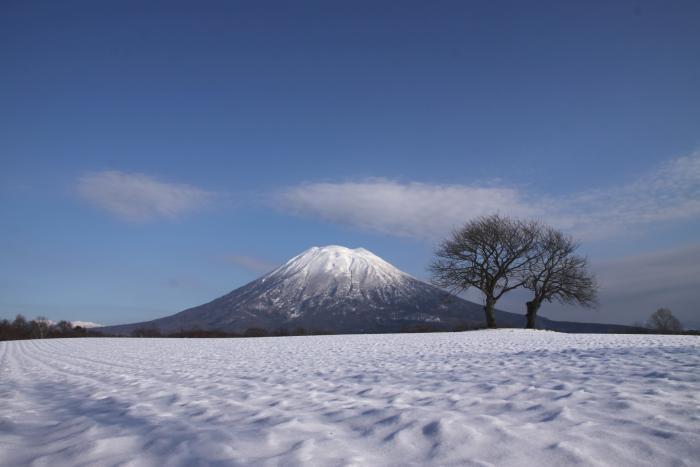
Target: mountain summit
pixel 354 269
pixel 323 276
pixel 340 290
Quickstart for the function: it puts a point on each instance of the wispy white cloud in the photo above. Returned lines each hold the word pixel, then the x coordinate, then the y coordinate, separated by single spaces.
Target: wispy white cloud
pixel 670 193
pixel 183 283
pixel 139 197
pixel 252 263
pixel 405 209
pixel 422 210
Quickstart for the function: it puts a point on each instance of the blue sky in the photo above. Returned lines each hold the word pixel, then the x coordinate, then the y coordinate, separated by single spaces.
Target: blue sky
pixel 157 156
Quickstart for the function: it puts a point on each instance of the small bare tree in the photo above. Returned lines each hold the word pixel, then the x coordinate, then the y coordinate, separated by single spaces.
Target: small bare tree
pixel 489 253
pixel 557 273
pixel 40 327
pixel 662 320
pixel 64 327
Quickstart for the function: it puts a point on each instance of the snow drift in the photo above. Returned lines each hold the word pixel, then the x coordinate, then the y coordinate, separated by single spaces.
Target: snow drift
pixel 506 397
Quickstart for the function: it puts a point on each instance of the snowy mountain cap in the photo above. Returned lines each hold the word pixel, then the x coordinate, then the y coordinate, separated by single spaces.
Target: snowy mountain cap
pixel 336 249
pixel 335 260
pixel 332 252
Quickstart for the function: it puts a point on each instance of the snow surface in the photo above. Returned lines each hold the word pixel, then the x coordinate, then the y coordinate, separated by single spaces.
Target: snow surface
pixel 506 397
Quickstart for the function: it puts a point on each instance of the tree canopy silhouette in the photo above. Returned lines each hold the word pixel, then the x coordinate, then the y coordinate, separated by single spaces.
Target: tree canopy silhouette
pixel 489 253
pixel 555 272
pixel 662 320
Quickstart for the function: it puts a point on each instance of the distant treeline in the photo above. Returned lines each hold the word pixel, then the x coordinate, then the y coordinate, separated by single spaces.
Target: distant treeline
pixel 408 329
pixel 42 328
pixel 300 331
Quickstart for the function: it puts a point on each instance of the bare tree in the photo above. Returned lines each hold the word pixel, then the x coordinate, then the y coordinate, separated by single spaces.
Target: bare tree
pixel 64 327
pixel 20 324
pixel 662 320
pixel 489 253
pixel 556 273
pixel 40 327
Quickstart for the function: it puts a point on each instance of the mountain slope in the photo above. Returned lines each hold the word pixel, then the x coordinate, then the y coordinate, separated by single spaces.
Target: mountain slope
pixel 333 289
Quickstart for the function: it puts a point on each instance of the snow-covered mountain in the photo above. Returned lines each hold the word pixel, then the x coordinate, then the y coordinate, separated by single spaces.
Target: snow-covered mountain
pixel 351 282
pixel 334 289
pixel 329 288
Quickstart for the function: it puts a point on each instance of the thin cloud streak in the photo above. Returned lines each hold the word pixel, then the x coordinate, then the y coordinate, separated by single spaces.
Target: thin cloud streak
pixel 252 263
pixel 137 197
pixel 429 211
pixel 651 273
pixel 670 193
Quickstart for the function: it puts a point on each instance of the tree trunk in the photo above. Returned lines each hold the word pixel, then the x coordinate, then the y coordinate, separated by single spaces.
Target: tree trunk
pixel 532 308
pixel 488 309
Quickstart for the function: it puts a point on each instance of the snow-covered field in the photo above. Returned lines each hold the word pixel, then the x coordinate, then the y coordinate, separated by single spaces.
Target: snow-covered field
pixel 507 397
